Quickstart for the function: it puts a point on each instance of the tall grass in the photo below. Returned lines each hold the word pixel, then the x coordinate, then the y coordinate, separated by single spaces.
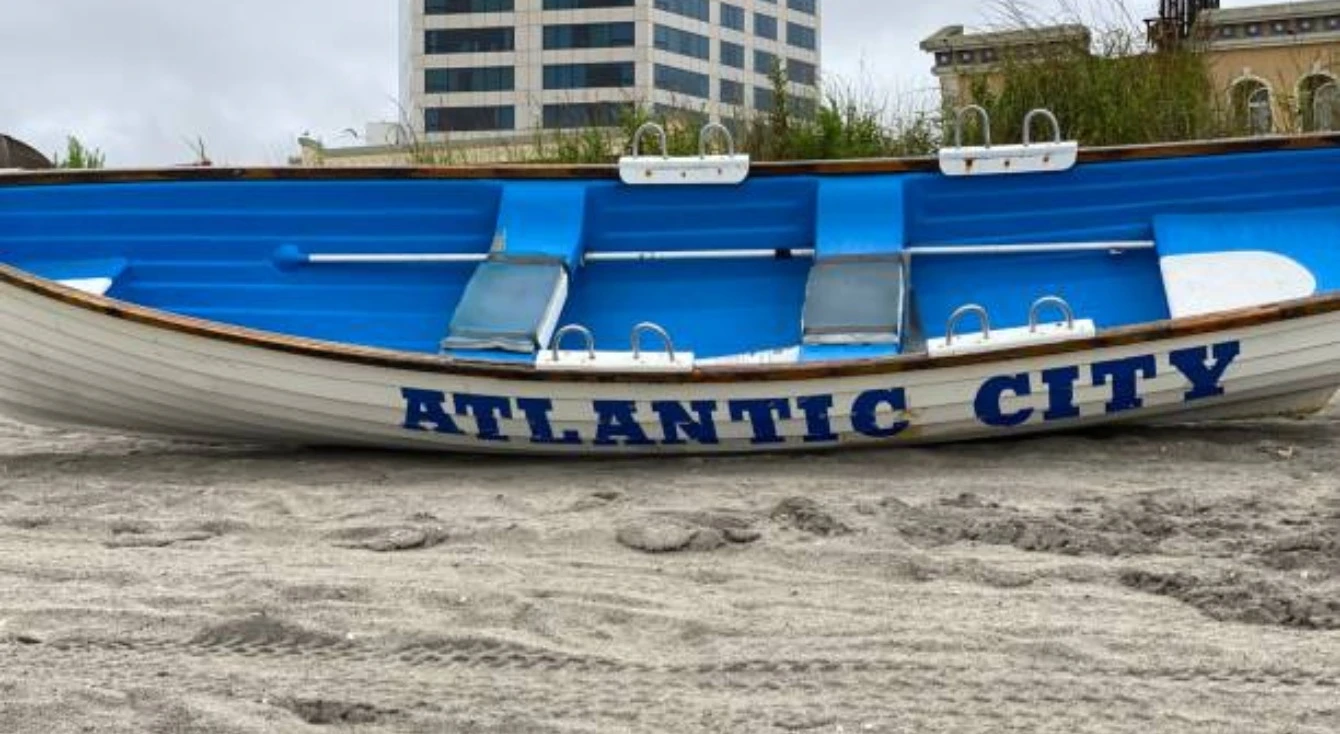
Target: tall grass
pixel 843 123
pixel 78 155
pixel 1106 98
pixel 1117 91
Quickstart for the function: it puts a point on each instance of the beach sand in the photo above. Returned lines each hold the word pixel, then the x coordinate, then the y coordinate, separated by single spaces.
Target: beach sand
pixel 1141 580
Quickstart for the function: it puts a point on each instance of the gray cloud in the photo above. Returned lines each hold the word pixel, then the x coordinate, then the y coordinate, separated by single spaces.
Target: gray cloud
pixel 141 79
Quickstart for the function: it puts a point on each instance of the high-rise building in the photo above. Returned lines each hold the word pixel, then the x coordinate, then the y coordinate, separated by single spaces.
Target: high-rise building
pixel 474 68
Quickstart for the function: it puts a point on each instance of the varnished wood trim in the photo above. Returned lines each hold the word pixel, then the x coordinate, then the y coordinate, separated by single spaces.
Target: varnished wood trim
pixel 609 172
pixel 1128 336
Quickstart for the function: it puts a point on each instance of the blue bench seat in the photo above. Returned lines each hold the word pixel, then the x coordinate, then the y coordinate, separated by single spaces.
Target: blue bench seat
pixel 856 297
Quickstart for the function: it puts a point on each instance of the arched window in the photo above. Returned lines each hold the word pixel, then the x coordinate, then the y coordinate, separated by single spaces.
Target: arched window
pixel 1251 107
pixel 1318 103
pixel 1326 107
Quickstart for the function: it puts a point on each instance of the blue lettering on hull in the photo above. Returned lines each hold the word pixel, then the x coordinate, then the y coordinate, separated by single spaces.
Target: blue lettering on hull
pixel 883 413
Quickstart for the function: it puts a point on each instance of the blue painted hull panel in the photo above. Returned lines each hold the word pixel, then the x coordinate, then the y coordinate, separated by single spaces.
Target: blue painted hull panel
pixel 209 249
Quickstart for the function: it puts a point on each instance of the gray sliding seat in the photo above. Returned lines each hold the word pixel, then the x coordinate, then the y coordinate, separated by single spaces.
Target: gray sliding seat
pixel 512 305
pixel 516 297
pixel 856 300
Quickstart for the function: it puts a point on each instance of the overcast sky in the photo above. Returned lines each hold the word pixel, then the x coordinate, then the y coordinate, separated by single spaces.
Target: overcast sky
pixel 144 79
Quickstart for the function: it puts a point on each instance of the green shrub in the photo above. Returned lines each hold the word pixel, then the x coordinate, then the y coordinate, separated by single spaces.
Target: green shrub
pixel 77 155
pixel 844 124
pixel 1114 96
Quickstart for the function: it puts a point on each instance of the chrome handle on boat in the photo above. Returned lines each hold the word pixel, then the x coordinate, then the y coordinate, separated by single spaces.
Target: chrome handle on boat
pixel 636 339
pixel 1046 115
pixel 957 316
pixel 986 125
pixel 574 329
pixel 1059 303
pixel 704 136
pixel 660 134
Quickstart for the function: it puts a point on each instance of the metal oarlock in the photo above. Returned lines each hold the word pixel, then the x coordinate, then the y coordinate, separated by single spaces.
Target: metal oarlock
pixel 1046 115
pixel 705 135
pixel 574 329
pixel 957 316
pixel 660 133
pixel 985 118
pixel 1056 302
pixel 636 339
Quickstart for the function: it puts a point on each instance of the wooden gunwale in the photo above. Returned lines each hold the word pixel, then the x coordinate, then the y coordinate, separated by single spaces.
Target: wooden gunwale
pixel 424 363
pixel 521 171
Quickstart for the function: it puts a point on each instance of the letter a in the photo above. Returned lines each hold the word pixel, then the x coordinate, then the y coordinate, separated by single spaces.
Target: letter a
pixel 426 406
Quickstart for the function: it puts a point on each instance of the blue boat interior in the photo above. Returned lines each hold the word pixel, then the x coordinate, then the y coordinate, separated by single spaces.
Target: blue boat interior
pixel 249 252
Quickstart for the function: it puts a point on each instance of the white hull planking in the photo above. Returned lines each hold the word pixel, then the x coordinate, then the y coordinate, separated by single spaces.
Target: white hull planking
pixel 65 365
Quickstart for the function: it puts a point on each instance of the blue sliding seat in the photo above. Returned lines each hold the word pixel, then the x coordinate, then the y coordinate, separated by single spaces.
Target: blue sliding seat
pixel 855 297
pixel 515 298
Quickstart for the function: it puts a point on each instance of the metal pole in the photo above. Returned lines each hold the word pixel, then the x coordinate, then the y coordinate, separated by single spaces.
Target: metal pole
pixel 781 254
pixel 391 258
pixel 1060 247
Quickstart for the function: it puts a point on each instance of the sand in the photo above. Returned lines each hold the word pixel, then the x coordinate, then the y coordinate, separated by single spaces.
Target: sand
pixel 1146 580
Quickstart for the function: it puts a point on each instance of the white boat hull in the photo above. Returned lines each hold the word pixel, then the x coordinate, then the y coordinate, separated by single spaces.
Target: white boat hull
pixel 67 364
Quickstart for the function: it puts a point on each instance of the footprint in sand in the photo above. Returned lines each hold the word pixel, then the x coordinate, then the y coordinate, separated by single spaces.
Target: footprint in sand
pixel 806 515
pixel 697 531
pixel 389 539
pixel 143 534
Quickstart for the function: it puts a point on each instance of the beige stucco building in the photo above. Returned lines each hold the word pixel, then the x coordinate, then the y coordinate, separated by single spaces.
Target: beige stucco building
pixel 1277 65
pixel 1274 67
pixel 386 144
pixel 961 57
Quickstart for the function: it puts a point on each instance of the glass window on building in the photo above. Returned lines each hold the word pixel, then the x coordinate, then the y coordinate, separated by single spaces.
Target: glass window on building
pixel 801 36
pixel 732 92
pixel 805 6
pixel 679 81
pixel 469 40
pixel 764 99
pixel 590 76
pixel 478 79
pixel 469 119
pixel 589 35
pixel 764 62
pixel 586 4
pixel 586 114
pixel 458 7
pixel 732 54
pixel 683 42
pixel 765 26
pixel 1326 107
pixel 732 17
pixel 696 9
pixel 802 72
pixel 1252 107
pixel 1319 103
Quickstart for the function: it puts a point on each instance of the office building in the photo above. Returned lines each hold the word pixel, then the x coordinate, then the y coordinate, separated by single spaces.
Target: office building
pixel 486 68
